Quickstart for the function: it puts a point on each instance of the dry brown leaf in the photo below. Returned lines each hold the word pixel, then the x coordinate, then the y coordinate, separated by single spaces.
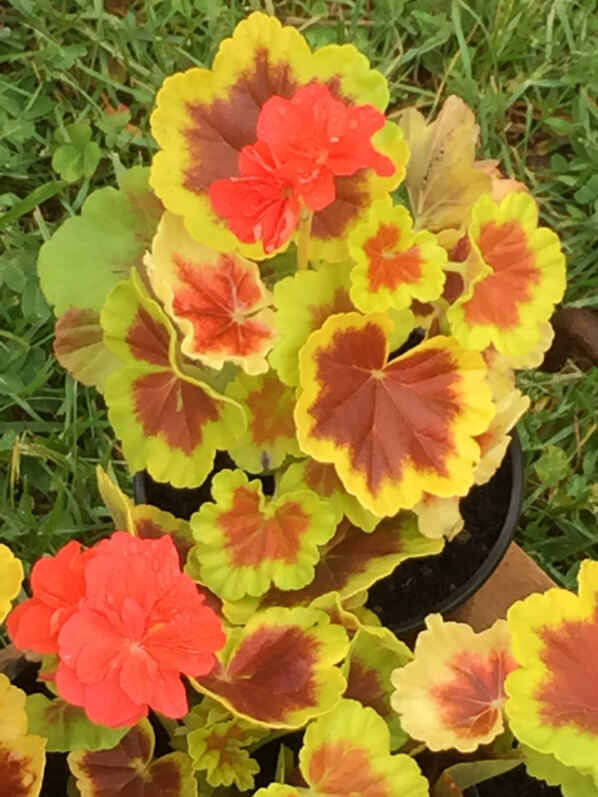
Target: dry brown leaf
pixel 442 181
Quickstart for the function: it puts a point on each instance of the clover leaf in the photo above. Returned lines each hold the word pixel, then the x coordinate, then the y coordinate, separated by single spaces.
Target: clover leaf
pixel 77 156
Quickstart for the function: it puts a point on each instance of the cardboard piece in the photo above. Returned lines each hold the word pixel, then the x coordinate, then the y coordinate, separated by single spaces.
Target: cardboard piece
pixel 516 577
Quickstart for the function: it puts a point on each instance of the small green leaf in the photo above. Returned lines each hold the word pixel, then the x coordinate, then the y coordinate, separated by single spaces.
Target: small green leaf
pixel 559 163
pixel 559 125
pixel 67 727
pixel 77 134
pixel 468 773
pixel 284 764
pixel 33 303
pixel 576 486
pixel 78 156
pixel 91 157
pixel 219 750
pixel 588 192
pixel 68 163
pixel 111 123
pixel 584 195
pixel 90 253
pixel 553 466
pixel 320 9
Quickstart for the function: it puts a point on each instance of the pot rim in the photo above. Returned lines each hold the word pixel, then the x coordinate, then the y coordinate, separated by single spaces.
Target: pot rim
pixel 459 596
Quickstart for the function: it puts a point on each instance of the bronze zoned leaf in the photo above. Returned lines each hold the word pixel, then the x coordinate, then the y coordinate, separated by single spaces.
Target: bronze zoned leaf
pixel 128 770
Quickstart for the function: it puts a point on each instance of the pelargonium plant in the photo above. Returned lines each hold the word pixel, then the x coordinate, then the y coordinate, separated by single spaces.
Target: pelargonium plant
pixel 267 294
pixel 261 297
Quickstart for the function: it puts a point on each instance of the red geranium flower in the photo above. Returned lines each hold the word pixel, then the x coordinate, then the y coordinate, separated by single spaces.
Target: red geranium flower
pixel 303 143
pixel 58 584
pixel 262 204
pixel 142 624
pixel 321 136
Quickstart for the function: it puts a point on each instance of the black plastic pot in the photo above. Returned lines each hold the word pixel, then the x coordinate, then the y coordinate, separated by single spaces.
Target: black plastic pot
pixel 505 536
pixel 509 478
pixel 388 593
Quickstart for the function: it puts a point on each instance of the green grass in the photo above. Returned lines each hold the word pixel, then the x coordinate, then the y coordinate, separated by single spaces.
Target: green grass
pixel 560 438
pixel 530 72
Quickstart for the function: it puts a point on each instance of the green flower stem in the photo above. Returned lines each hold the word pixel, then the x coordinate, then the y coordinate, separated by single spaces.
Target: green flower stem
pixel 305 219
pixel 440 308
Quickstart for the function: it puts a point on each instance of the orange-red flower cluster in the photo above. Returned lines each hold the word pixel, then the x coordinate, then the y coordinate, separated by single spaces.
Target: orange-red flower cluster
pixel 58 584
pixel 125 623
pixel 303 144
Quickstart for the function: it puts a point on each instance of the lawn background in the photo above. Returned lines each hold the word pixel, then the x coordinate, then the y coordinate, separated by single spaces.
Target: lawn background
pixel 529 70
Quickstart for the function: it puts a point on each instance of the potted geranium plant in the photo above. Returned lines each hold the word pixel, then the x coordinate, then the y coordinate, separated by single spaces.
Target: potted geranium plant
pixel 268 298
pixel 313 373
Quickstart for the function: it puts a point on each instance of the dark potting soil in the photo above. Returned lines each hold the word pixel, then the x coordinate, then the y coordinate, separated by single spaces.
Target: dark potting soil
pixel 516 783
pixel 267 757
pixel 418 585
pixel 184 502
pixel 181 502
